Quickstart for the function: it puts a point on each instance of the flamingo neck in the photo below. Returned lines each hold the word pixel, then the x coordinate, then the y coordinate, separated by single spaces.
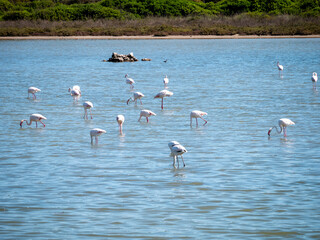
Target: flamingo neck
pixel 278 131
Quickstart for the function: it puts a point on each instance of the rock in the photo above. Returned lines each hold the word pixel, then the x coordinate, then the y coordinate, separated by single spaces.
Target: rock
pixel 122 58
pixel 146 59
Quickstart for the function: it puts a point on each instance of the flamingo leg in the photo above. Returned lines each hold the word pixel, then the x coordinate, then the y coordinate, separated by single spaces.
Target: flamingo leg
pixel 178 161
pixel 139 118
pixel 284 131
pixel 85 113
pixel 190 121
pixel 140 102
pixel 96 139
pixel 162 103
pixel 34 96
pixel 147 119
pixel 197 121
pixel 120 129
pixel 36 124
pixel 42 123
pixel 90 113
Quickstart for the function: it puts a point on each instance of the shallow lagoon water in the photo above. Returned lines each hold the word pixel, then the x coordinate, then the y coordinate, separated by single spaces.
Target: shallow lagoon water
pixel 237 183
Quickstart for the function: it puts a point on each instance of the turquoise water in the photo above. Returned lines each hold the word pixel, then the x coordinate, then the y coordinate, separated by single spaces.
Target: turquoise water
pixel 237 183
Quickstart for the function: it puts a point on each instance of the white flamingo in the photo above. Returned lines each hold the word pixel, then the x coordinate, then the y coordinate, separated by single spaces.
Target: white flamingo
pixel 87 105
pixel 129 81
pixel 146 113
pixel 283 124
pixel 314 79
pixel 166 81
pixel 198 114
pixel 120 120
pixel 280 67
pixel 162 94
pixel 34 118
pixel 136 96
pixel 177 149
pixel 96 132
pixel 33 90
pixel 75 90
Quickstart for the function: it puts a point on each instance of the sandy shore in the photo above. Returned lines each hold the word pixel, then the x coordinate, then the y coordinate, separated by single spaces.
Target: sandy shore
pixel 153 37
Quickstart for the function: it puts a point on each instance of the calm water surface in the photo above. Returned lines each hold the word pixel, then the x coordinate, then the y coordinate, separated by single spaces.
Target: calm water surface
pixel 237 183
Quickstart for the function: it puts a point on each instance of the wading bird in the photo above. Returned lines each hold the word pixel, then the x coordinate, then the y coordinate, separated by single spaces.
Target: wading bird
pixel 146 113
pixel 33 90
pixel 120 120
pixel 129 81
pixel 75 90
pixel 197 114
pixel 314 79
pixel 136 96
pixel 166 81
pixel 280 67
pixel 96 132
pixel 283 124
pixel 162 94
pixel 177 149
pixel 87 105
pixel 34 118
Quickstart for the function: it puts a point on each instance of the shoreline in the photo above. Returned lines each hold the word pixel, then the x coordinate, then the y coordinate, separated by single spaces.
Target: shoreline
pixel 149 37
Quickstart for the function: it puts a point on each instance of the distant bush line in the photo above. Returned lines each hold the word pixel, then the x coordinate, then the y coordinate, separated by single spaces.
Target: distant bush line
pixel 72 10
pixel 239 24
pixel 158 17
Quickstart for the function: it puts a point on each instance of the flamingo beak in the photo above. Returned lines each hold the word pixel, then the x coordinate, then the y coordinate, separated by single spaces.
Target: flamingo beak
pixel 128 101
pixel 21 123
pixel 269 131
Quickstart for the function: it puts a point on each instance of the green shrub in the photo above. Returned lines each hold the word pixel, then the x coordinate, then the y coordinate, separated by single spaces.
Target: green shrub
pixel 16 15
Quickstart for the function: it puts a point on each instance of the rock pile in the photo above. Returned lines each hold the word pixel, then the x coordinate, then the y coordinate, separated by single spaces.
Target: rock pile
pixel 122 58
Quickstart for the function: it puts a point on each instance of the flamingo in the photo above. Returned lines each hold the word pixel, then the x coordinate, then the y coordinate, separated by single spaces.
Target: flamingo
pixel 198 114
pixel 165 81
pixel 280 67
pixel 314 79
pixel 75 90
pixel 33 90
pixel 34 118
pixel 87 105
pixel 136 95
pixel 120 120
pixel 96 132
pixel 162 94
pixel 283 124
pixel 129 81
pixel 146 113
pixel 176 150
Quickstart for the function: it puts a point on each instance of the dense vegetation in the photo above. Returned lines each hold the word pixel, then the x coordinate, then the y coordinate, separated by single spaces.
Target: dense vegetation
pixel 71 10
pixel 93 17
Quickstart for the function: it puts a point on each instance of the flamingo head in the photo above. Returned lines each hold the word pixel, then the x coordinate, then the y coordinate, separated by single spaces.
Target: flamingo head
pixel 128 101
pixel 69 89
pixel 269 131
pixel 21 123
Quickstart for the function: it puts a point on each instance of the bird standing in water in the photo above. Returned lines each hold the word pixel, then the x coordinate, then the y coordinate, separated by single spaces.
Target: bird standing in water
pixel 177 150
pixel 162 94
pixel 96 132
pixel 33 90
pixel 197 114
pixel 34 118
pixel 283 124
pixel 120 120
